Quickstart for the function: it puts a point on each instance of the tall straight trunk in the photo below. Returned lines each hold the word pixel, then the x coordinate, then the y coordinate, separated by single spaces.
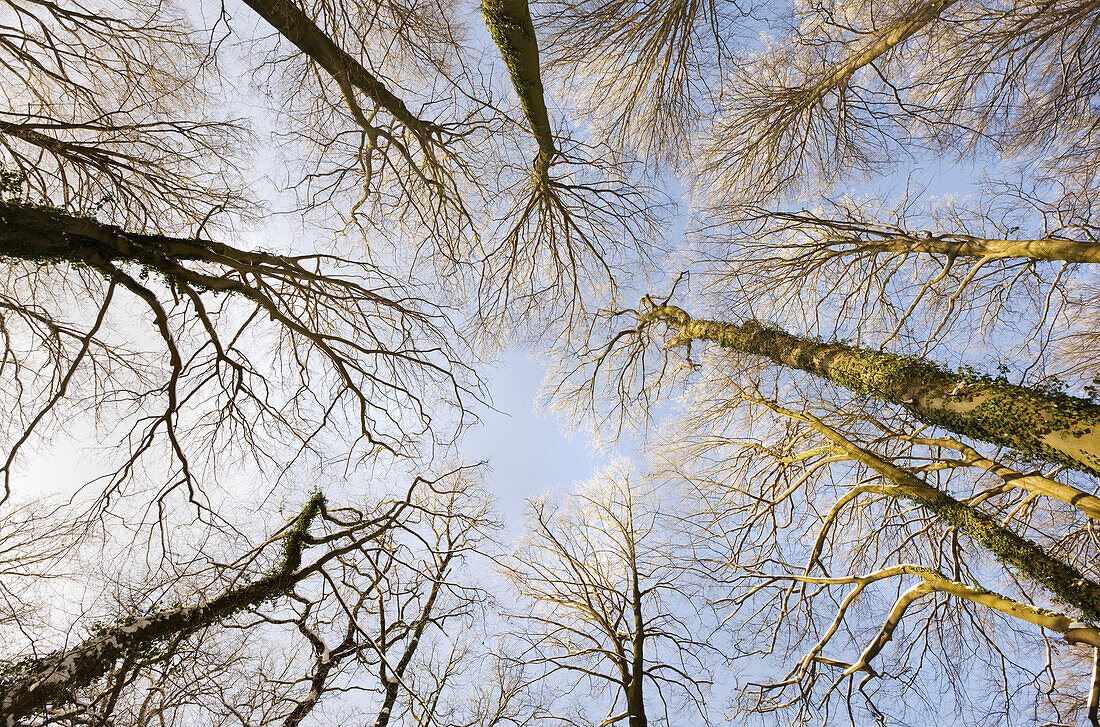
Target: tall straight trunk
pixel 295 25
pixel 902 30
pixel 635 702
pixel 509 23
pixel 38 682
pixel 1056 427
pixel 1052 249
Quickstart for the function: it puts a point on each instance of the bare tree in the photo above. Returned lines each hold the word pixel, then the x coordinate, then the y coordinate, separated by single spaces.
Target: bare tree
pixel 99 113
pixel 846 87
pixel 407 162
pixel 344 333
pixel 579 218
pixel 604 602
pixel 1004 264
pixel 840 471
pixel 956 501
pixel 37 682
pixel 372 603
pixel 1037 423
pixel 111 198
pixel 646 67
pixel 810 518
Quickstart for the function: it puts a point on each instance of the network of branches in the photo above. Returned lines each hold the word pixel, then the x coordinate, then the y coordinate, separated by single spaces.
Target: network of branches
pixel 257 258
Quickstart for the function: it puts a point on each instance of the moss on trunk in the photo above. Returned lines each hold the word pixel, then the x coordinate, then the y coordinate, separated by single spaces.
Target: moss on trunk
pixel 509 23
pixel 1048 425
pixel 33 684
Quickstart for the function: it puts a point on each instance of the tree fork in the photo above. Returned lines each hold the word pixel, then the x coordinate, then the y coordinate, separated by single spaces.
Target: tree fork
pixel 37 682
pixel 1055 427
pixel 1066 582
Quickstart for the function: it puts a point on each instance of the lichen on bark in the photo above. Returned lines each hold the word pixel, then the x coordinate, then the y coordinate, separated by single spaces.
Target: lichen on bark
pixel 32 684
pixel 510 25
pixel 1047 425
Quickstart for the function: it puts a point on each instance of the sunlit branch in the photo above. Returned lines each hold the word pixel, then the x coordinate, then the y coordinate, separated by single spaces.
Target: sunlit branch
pixel 1056 427
pixel 1062 579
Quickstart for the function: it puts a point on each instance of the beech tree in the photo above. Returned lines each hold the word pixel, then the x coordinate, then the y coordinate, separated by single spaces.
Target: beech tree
pixel 885 393
pixel 833 443
pixel 604 606
pixel 375 593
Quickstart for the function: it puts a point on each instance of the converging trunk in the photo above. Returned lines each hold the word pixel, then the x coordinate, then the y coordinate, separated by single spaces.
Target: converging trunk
pixel 1056 427
pixel 509 23
pixel 1052 249
pixel 37 682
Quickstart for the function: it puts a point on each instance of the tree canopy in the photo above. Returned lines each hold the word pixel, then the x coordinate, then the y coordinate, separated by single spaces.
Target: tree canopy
pixel 824 274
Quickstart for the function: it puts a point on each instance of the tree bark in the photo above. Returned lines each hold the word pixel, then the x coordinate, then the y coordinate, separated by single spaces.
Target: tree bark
pixel 37 682
pixel 509 23
pixel 1052 249
pixel 1055 427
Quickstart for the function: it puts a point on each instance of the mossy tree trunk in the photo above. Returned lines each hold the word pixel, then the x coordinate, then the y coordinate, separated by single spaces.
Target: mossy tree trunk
pixel 50 235
pixel 1050 249
pixel 38 682
pixel 509 23
pixel 1051 426
pixel 1062 580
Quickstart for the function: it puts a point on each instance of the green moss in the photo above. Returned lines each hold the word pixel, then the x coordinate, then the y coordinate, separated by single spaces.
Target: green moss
pixel 509 24
pixel 292 541
pixel 1005 414
pixel 12 184
pixel 106 645
pixel 1067 584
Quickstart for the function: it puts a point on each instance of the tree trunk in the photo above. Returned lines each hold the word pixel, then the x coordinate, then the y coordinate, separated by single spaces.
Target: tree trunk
pixel 510 25
pixel 1055 427
pixel 37 682
pixel 903 29
pixel 635 702
pixel 1052 249
pixel 297 27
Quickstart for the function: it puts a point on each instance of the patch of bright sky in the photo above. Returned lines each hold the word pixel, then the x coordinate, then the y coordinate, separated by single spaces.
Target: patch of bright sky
pixel 526 451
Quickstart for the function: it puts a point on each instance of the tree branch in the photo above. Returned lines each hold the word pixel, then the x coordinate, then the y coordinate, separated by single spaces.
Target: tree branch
pixel 39 681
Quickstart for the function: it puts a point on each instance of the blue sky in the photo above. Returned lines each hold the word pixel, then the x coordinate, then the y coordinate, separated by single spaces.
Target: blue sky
pixel 527 453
